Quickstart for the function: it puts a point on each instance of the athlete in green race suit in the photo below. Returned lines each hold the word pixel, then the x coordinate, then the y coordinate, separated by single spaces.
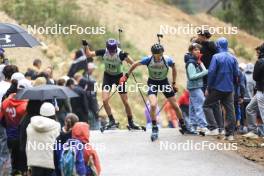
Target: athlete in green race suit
pixel 113 58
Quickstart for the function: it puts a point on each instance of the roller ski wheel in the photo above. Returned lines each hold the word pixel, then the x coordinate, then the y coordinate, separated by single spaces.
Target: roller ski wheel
pixel 132 128
pixel 155 134
pixel 110 126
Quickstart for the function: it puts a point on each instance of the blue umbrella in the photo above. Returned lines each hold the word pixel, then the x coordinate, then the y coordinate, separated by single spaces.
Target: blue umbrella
pixel 12 36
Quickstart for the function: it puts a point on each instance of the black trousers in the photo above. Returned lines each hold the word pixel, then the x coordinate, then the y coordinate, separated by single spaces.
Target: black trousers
pixel 18 158
pixel 40 171
pixel 227 100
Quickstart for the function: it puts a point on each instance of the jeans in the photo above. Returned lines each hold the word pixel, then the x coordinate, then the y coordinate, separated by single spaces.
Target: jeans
pixel 196 113
pixel 256 103
pixel 225 98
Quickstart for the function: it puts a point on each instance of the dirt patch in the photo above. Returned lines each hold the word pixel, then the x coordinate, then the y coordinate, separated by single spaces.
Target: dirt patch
pixel 251 149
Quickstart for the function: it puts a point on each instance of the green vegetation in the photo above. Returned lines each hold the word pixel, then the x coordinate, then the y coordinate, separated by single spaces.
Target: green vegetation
pixel 247 15
pixel 240 49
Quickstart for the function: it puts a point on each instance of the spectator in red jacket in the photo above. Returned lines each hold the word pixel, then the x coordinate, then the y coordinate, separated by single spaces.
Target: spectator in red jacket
pixel 13 111
pixel 183 103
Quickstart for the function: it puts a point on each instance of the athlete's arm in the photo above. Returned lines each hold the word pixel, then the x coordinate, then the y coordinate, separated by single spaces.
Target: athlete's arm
pixel 135 65
pixel 129 60
pixel 174 73
pixel 88 52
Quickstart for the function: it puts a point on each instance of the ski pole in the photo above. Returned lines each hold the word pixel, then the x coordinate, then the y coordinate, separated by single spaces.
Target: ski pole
pixel 108 99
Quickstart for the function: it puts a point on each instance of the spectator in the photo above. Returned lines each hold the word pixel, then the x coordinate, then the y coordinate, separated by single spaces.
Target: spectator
pixel 81 132
pixel 170 114
pixel 64 105
pixel 65 134
pixel 39 81
pixel 77 77
pixel 14 84
pixel 93 119
pixel 257 102
pixel 5 85
pixel 13 111
pixel 32 73
pixel 222 75
pixel 239 94
pixel 195 71
pixel 3 63
pixel 42 130
pixel 49 72
pixel 208 50
pixel 251 83
pixel 32 109
pixel 184 102
pixel 80 104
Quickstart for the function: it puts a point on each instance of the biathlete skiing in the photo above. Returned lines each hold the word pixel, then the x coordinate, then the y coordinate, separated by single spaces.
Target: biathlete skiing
pixel 113 57
pixel 158 68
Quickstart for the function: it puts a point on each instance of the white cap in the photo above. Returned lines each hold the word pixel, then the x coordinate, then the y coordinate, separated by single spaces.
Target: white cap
pixel 242 65
pixel 24 83
pixel 91 65
pixel 17 76
pixel 47 109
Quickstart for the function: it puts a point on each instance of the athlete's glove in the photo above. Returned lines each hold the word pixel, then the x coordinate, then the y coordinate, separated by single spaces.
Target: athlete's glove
pixel 123 79
pixel 84 42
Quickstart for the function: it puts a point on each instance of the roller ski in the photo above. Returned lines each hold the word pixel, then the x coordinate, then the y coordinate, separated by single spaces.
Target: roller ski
pixel 134 127
pixel 154 134
pixel 110 126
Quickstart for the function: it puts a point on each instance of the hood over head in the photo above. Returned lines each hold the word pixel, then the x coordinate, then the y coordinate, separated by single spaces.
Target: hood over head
pixel 222 44
pixel 44 124
pixel 81 131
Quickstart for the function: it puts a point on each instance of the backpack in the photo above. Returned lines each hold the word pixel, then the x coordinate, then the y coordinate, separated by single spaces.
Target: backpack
pixel 72 160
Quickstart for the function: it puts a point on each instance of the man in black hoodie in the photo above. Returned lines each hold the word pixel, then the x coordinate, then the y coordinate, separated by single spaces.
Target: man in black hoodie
pixel 257 102
pixel 208 50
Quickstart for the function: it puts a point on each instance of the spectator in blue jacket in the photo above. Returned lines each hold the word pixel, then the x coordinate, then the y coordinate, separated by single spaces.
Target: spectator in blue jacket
pixel 222 76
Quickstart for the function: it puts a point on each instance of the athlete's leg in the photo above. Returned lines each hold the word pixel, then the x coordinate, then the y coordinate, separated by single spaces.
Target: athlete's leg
pixel 175 106
pixel 153 106
pixel 105 97
pixel 124 99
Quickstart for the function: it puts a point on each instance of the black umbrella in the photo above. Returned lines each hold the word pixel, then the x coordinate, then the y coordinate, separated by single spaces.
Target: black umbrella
pixel 46 92
pixel 12 36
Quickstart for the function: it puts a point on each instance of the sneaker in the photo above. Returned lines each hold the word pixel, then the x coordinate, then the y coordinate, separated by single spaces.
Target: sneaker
pixel 229 138
pixel 221 131
pixel 242 130
pixel 204 129
pixel 214 132
pixel 251 135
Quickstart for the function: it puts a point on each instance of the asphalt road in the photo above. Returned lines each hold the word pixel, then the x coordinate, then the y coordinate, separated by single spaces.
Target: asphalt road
pixel 124 153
